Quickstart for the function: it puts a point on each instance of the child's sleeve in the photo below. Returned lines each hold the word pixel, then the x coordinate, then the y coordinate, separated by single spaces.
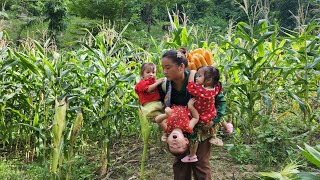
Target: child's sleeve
pixel 142 86
pixel 220 104
pixel 192 89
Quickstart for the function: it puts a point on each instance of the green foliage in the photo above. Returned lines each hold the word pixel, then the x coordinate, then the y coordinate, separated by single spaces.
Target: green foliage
pixel 55 12
pixel 285 174
pixel 284 11
pixel 107 9
pixel 291 171
pixel 312 155
pixel 273 141
pixel 241 153
pixel 8 171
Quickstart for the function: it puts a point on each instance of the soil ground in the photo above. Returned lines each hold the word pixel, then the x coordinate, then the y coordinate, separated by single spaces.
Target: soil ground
pixel 127 158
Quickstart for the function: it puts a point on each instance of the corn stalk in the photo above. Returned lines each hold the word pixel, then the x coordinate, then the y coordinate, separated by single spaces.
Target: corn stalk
pixel 59 124
pixel 145 131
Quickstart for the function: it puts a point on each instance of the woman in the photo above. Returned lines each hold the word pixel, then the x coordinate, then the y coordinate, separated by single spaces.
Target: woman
pixel 174 92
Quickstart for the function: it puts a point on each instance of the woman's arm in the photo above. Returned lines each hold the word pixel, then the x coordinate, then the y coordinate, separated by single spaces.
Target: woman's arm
pixel 220 107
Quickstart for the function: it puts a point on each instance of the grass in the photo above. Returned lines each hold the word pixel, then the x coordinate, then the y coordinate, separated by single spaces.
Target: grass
pixel 8 170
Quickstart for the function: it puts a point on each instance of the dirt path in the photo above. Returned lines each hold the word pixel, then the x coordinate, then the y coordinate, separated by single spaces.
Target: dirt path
pixel 127 157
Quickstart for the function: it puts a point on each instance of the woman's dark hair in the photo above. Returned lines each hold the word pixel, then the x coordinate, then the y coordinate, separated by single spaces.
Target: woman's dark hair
pixel 211 73
pixel 144 67
pixel 177 56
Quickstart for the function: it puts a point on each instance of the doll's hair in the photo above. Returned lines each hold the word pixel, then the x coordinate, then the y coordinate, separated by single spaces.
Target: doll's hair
pixel 177 56
pixel 211 73
pixel 145 66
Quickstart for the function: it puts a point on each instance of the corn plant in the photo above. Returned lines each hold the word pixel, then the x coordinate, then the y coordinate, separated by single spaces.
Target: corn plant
pixel 304 57
pixel 248 59
pixel 110 60
pixel 181 37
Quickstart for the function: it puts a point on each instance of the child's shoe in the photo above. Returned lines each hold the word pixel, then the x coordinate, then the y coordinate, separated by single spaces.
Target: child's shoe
pixel 229 128
pixel 188 159
pixel 216 141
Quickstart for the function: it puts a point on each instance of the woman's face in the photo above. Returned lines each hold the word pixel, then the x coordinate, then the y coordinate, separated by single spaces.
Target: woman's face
pixel 171 70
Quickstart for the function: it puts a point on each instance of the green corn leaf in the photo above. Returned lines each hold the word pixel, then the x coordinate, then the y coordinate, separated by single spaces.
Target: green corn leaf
pixel 301 103
pixel 36 119
pixel 110 89
pixel 114 66
pixel 312 155
pixel 49 65
pixel 265 36
pixel 281 44
pixel 18 113
pixel 242 33
pixel 261 50
pixel 184 37
pixel 176 20
pixel 39 47
pixel 274 175
pixel 27 64
pixel 315 62
pixel 47 43
pixel 126 78
pixel 307 176
pixel 8 64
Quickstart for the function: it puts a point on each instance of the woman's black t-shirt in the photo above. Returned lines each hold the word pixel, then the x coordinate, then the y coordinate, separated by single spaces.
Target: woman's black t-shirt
pixel 177 97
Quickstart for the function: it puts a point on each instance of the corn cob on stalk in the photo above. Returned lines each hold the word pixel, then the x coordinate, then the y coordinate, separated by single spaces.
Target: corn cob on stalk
pixel 59 124
pixel 145 130
pixel 75 129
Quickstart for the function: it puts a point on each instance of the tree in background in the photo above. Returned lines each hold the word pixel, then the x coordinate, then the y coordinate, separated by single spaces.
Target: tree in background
pixel 98 9
pixel 55 13
pixel 283 11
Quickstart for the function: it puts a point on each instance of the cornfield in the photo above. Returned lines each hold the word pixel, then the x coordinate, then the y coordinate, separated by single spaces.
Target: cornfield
pixel 51 100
